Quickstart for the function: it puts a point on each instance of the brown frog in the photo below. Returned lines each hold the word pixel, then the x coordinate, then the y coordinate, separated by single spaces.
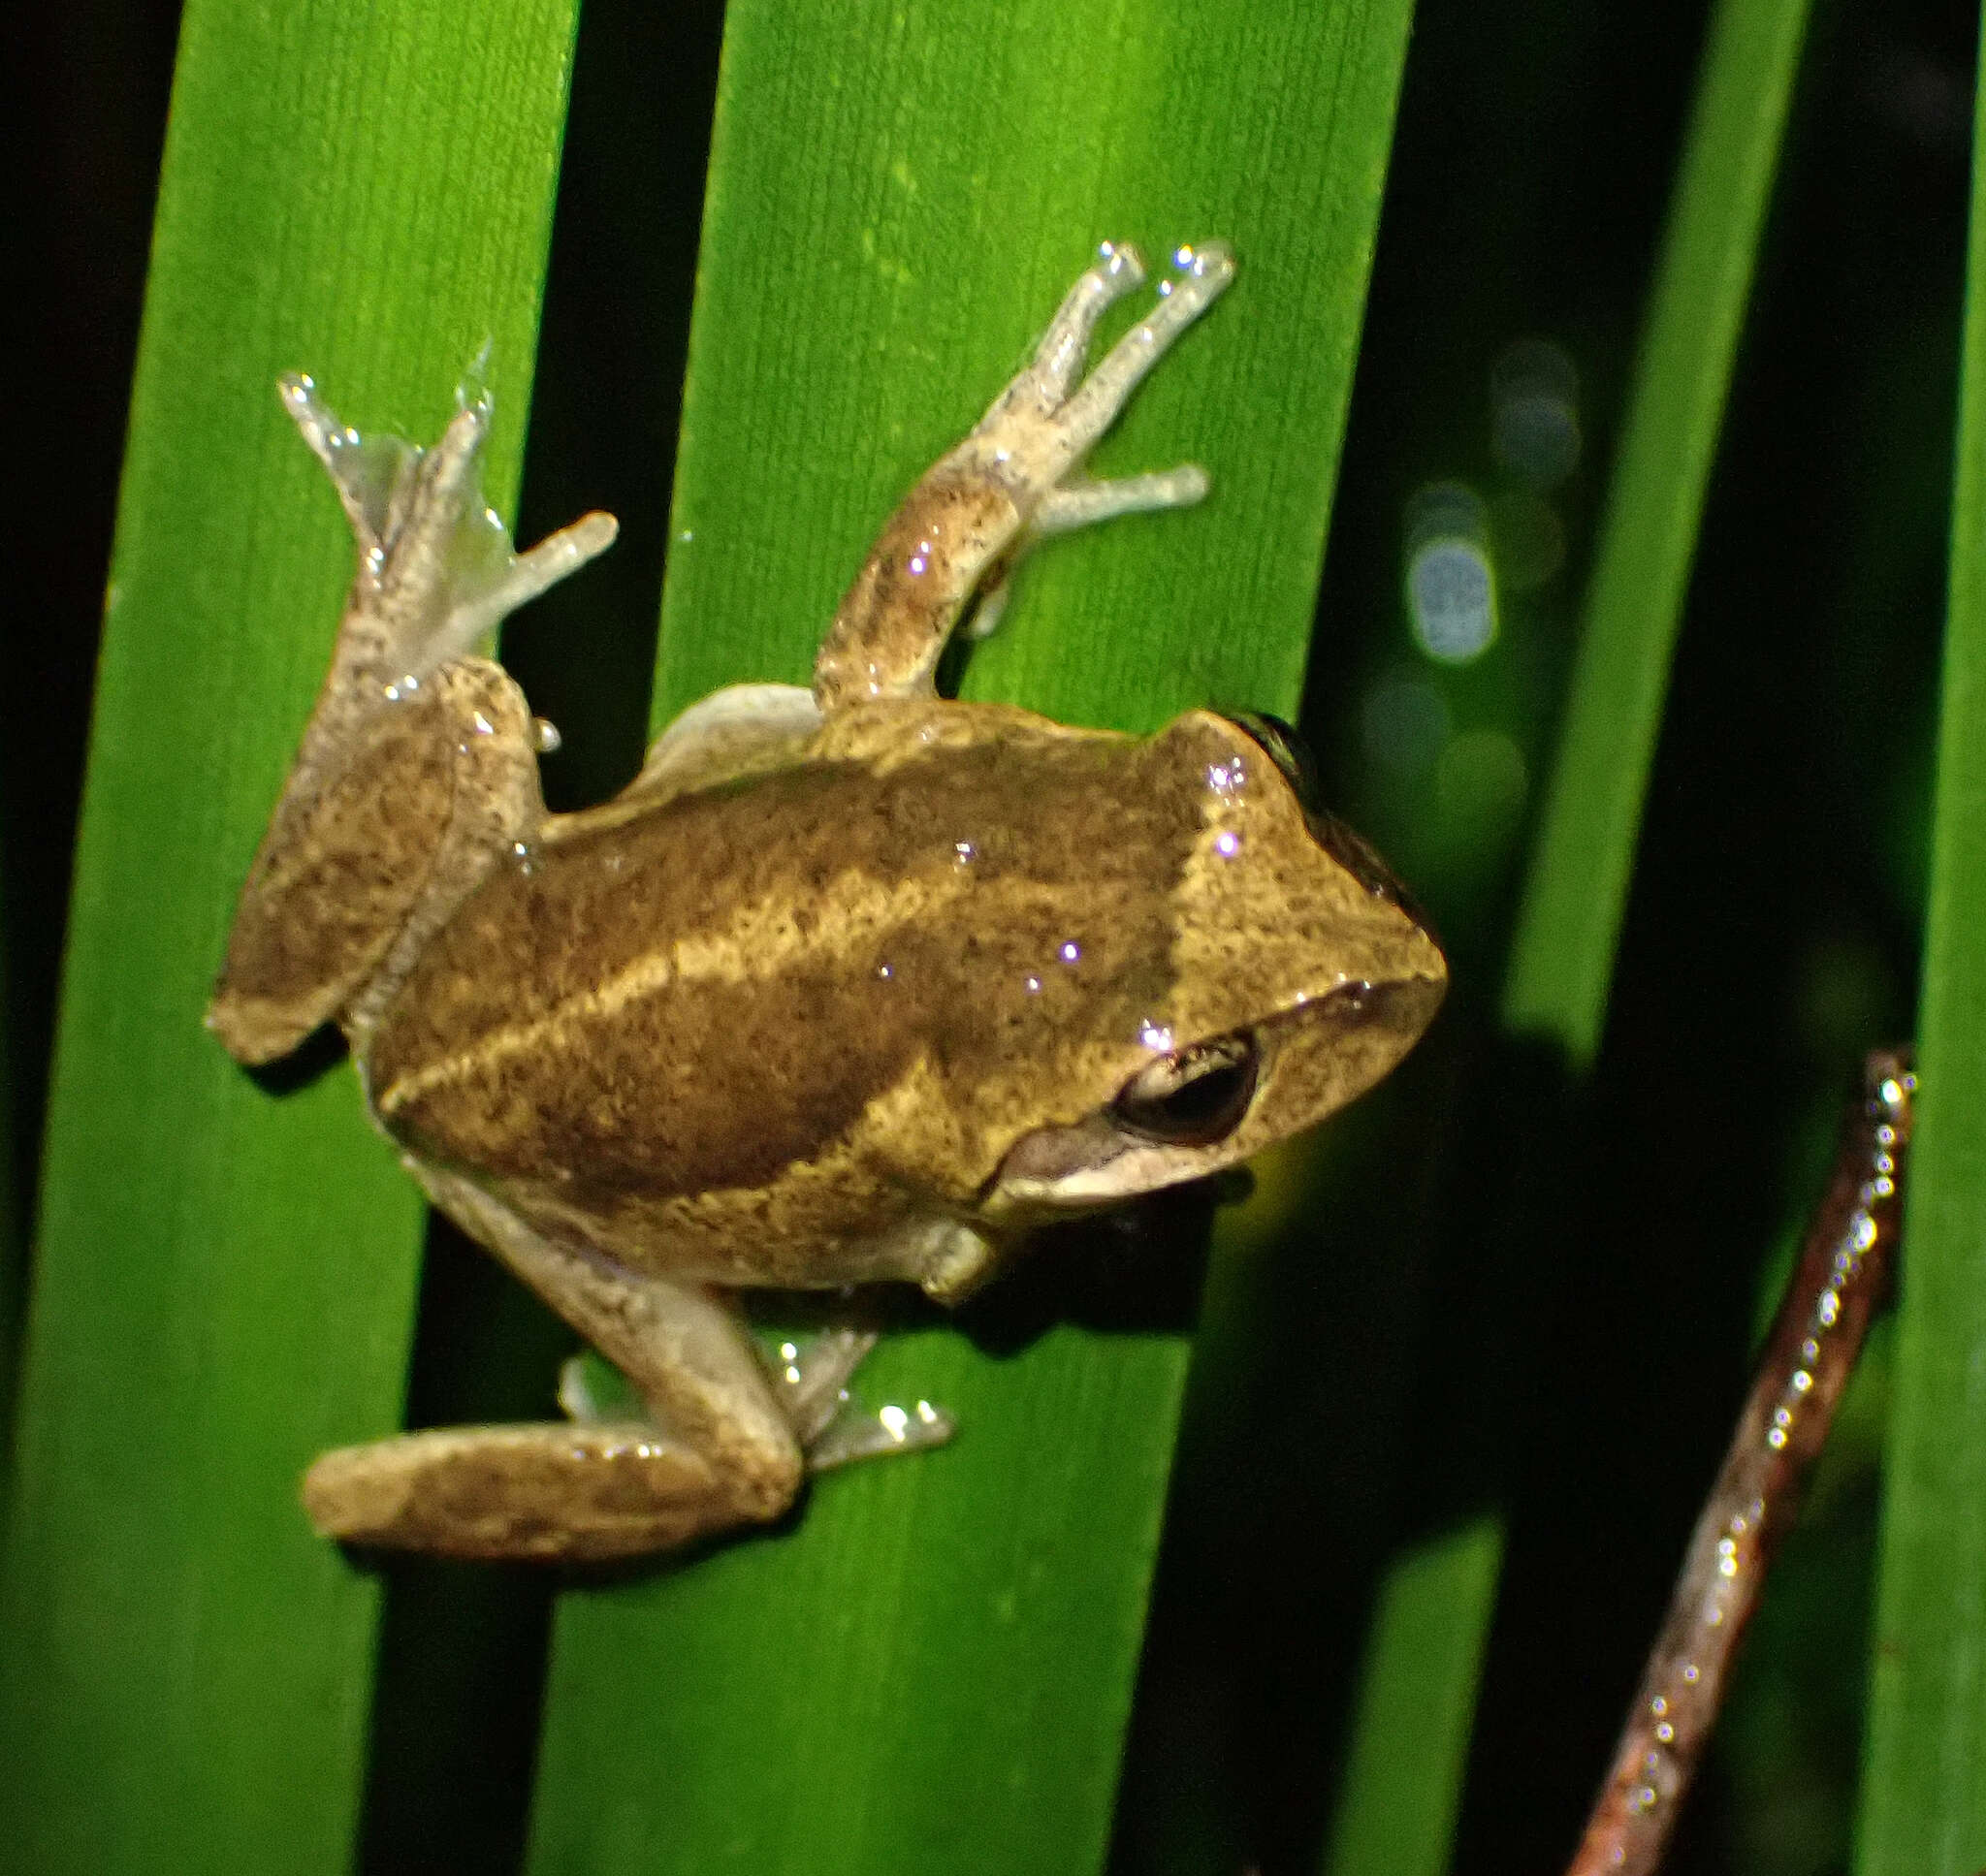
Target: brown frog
pixel 850 984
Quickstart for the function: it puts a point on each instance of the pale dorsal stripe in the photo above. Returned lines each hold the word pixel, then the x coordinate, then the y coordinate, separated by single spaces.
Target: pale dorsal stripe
pixel 761 941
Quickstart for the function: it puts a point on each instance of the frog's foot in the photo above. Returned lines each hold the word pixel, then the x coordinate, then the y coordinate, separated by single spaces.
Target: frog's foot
pixel 812 1378
pixel 1014 479
pixel 833 1428
pixel 436 572
pixel 1049 418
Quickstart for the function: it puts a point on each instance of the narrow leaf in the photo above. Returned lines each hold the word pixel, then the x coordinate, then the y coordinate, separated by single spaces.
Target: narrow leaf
pixel 1561 962
pixel 225 1279
pixel 1923 1808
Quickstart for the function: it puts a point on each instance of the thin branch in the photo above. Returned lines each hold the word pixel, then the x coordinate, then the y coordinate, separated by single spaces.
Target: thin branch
pixel 1842 1276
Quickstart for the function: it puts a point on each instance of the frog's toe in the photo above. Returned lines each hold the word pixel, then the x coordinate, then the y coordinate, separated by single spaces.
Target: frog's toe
pixel 1079 502
pixel 856 1433
pixel 436 567
pixel 1064 347
pixel 812 1378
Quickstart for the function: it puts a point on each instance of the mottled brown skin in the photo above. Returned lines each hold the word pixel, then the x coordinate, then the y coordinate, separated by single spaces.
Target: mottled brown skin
pixel 844 988
pixel 698 1083
pixel 352 876
pixel 921 572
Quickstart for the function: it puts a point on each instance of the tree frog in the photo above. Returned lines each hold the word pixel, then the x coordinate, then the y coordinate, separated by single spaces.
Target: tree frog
pixel 851 984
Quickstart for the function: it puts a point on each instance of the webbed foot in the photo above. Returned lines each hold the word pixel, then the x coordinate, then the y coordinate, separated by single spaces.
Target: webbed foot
pixel 437 570
pixel 833 1427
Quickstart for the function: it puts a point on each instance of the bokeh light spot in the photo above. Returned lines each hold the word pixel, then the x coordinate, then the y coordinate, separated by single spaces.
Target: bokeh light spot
pixel 1451 584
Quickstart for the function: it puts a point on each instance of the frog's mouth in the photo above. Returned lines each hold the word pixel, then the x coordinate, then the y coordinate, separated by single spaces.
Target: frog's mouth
pixel 1206 1106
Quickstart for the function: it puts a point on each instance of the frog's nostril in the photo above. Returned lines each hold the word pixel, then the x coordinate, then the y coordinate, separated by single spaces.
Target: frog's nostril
pixel 1286 749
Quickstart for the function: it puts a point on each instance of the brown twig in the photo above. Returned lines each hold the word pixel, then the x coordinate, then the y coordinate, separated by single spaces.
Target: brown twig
pixel 1841 1276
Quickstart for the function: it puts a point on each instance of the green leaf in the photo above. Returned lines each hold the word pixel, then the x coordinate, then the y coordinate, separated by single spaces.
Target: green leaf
pixel 931 1669
pixel 1402 1792
pixel 225 1278
pixel 1561 961
pixel 1923 1808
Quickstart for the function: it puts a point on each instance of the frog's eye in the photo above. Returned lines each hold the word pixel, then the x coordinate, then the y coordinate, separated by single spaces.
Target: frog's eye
pixel 1193 1097
pixel 1286 749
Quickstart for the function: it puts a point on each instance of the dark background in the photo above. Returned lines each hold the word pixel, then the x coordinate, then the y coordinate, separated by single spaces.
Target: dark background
pixel 1570 1333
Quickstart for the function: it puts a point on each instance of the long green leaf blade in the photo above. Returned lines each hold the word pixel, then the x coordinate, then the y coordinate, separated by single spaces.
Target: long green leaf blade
pixel 1561 962
pixel 225 1279
pixel 1924 1774
pixel 1396 1811
pixel 13 1228
pixel 932 1671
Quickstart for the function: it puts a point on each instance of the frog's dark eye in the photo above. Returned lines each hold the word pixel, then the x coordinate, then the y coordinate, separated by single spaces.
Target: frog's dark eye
pixel 1286 749
pixel 1193 1097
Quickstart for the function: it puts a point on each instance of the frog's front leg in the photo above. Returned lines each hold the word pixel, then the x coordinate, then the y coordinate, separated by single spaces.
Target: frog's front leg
pixel 1016 476
pixel 726 1444
pixel 418 768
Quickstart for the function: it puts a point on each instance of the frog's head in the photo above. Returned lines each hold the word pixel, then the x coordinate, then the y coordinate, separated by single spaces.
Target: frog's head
pixel 1296 973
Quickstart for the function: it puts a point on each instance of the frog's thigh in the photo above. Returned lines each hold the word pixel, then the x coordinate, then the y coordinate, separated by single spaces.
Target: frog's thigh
pixel 734 731
pixel 376 838
pixel 550 1493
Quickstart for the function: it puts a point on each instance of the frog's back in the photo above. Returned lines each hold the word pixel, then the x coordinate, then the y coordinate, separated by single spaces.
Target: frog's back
pixel 704 996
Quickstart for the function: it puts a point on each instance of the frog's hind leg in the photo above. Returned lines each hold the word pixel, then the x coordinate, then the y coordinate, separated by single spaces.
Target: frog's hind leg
pixel 1015 477
pixel 553 1493
pixel 718 1451
pixel 419 766
pixel 725 1444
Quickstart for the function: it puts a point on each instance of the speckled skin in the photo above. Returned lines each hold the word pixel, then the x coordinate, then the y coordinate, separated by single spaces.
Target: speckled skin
pixel 897 960
pixel 844 988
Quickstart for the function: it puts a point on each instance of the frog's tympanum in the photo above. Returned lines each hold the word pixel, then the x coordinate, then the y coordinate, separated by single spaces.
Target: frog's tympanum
pixel 850 984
